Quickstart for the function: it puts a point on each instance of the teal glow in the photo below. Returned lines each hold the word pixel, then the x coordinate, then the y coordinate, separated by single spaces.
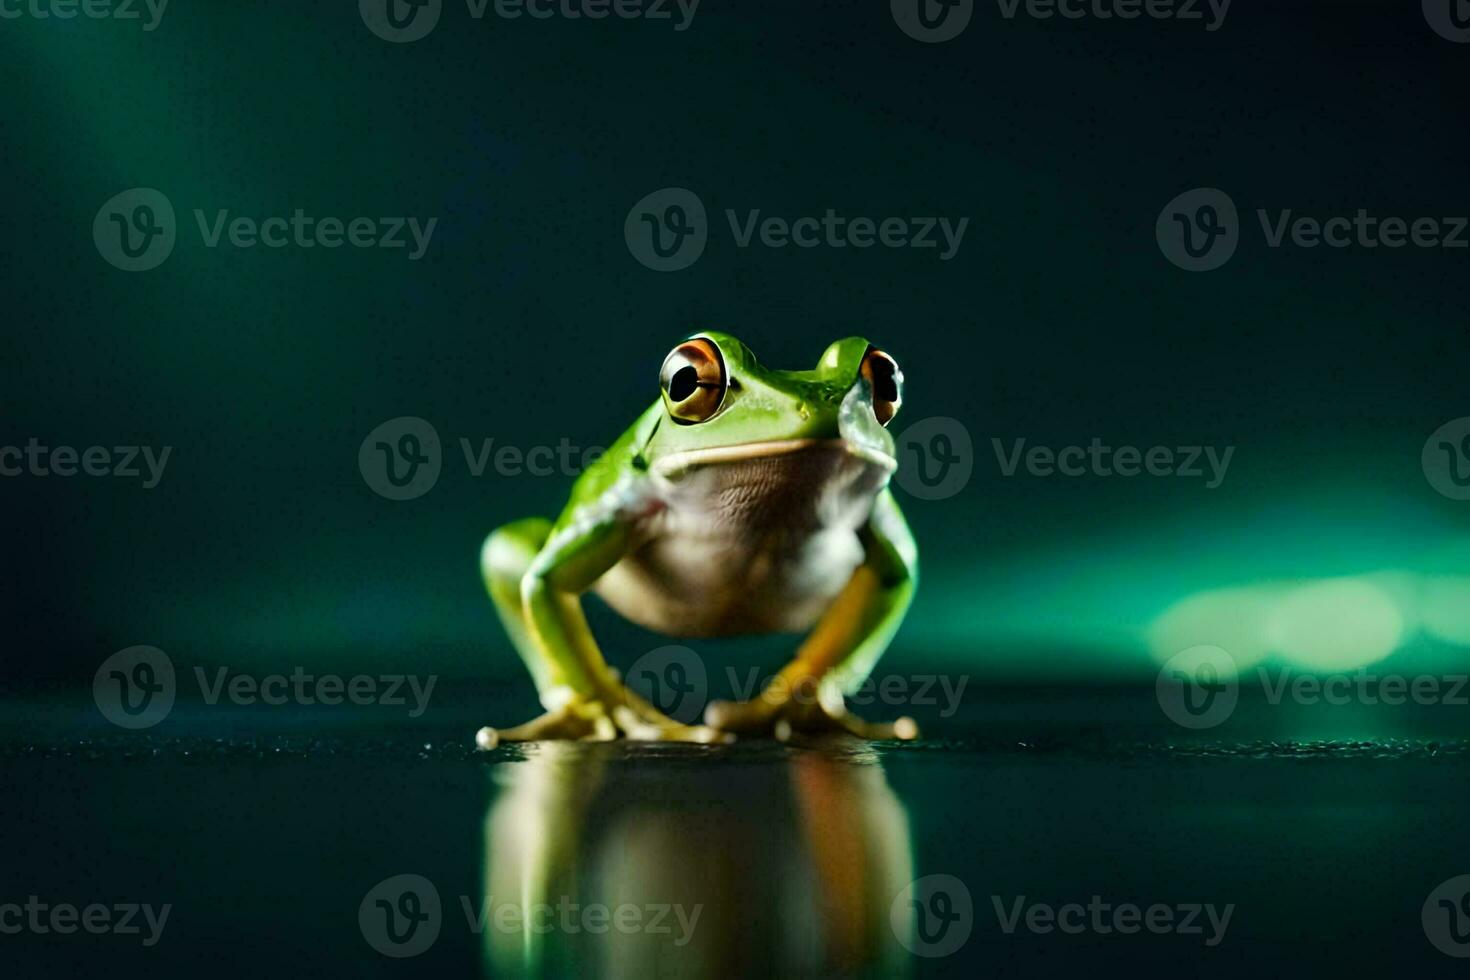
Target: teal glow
pixel 1336 624
pixel 1235 620
pixel 1444 604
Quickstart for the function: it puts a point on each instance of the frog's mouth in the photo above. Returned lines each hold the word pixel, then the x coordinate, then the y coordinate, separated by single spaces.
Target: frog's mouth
pixel 676 465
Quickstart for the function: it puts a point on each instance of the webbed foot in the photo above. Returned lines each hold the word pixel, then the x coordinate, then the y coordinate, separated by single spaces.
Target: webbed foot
pixel 602 720
pixel 783 718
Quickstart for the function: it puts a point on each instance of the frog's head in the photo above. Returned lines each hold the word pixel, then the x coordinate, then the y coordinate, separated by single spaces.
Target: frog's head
pixel 721 405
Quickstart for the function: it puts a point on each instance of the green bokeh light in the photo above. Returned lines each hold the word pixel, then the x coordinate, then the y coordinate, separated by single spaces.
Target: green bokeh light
pixel 1336 624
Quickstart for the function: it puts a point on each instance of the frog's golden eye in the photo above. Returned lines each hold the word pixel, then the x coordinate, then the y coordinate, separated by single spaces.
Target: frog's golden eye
pixel 884 375
pixel 694 381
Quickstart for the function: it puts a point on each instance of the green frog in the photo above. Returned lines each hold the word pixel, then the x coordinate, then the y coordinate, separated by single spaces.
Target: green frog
pixel 744 500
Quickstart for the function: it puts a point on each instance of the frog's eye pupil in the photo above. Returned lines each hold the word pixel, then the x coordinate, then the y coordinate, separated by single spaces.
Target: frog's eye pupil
pixel 694 381
pixel 885 388
pixel 686 380
pixel 885 378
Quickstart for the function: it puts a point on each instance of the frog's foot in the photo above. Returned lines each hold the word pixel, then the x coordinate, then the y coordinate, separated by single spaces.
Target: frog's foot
pixel 562 724
pixel 796 716
pixel 602 721
pixel 638 720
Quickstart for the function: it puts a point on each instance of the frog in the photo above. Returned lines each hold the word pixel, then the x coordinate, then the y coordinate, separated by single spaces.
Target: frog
pixel 744 500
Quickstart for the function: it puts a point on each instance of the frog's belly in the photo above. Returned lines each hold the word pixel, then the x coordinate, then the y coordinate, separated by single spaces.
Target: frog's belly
pixel 756 546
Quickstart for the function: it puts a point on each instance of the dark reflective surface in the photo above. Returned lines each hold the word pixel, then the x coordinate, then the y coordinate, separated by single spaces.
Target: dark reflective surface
pixel 707 863
pixel 1326 830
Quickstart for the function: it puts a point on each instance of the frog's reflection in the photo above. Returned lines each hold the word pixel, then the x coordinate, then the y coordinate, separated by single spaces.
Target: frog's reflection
pixel 605 860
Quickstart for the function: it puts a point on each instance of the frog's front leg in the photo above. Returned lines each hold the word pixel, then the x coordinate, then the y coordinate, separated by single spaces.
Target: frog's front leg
pixel 807 695
pixel 536 577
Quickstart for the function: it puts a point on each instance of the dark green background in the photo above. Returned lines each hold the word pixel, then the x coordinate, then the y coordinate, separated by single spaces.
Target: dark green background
pixel 529 321
pixel 263 549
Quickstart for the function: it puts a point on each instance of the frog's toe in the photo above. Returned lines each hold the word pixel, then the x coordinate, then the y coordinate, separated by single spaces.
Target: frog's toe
pixel 740 717
pixel 818 720
pixel 563 724
pixel 903 729
pixel 637 729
